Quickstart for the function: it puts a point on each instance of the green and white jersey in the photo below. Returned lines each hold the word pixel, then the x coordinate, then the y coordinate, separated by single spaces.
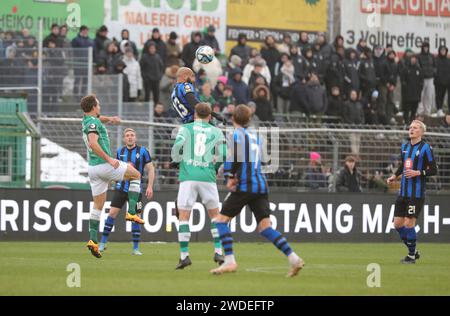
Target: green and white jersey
pixel 200 149
pixel 92 124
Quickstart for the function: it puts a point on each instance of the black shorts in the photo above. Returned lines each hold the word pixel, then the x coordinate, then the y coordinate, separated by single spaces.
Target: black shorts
pixel 258 203
pixel 406 207
pixel 120 198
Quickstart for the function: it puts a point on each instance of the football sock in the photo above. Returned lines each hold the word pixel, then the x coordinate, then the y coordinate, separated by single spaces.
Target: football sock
pixel 133 195
pixel 136 234
pixel 109 224
pixel 411 236
pixel 227 241
pixel 184 235
pixel 216 237
pixel 403 232
pixel 94 223
pixel 278 240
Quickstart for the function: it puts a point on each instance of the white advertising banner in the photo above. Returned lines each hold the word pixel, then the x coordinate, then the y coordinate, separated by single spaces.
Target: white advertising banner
pixel 180 16
pixel 402 23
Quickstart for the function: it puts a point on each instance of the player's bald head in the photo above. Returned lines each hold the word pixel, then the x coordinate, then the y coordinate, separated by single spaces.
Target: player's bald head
pixel 184 73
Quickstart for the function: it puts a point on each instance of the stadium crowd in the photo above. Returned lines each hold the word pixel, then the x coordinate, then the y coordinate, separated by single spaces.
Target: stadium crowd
pixel 308 77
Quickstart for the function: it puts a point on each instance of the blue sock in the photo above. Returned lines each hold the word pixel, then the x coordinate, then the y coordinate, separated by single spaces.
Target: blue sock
pixel 403 234
pixel 411 237
pixel 226 238
pixel 136 231
pixel 109 224
pixel 278 240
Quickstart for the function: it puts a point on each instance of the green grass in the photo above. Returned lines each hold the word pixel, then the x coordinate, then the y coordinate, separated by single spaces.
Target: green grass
pixel 331 269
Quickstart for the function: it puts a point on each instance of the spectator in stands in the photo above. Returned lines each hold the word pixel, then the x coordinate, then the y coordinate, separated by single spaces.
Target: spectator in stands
pixel 367 75
pixel 303 41
pixel 308 65
pixel 220 87
pixel 389 78
pixel 81 41
pixel 133 71
pixel 283 84
pixel 446 121
pixel 228 111
pixel 241 91
pixel 271 55
pixel 54 35
pixel 380 61
pixel 412 80
pixel 284 47
pixel 348 178
pixel 119 68
pixel 261 97
pixel 403 64
pixel 11 68
pixel 126 42
pixel 227 98
pixel 101 40
pixel 2 47
pixel 213 69
pixel 241 49
pixel 63 41
pixel 109 57
pixel 263 69
pixel 256 121
pixel 160 46
pixel 338 42
pixel 257 78
pixel 371 108
pixel 298 100
pixel 315 97
pixel 210 39
pixel 152 67
pixel 353 112
pixel 351 65
pixel 296 60
pixel 326 49
pixel 315 178
pixel 168 82
pixel 160 114
pixel 53 75
pixel 201 79
pixel 188 53
pixel 234 63
pixel 173 51
pixel 428 66
pixel 206 94
pixel 361 47
pixel 442 80
pixel 335 75
pixel 320 60
pixel 335 103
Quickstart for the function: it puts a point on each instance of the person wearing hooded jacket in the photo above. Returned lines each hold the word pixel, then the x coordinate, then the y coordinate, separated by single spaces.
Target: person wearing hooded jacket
pixel 442 79
pixel 412 78
pixel 188 52
pixel 307 65
pixel 261 97
pixel 241 92
pixel 242 49
pixel 152 68
pixel 427 63
pixel 367 74
pixel 351 64
pixel 161 48
pixel 210 39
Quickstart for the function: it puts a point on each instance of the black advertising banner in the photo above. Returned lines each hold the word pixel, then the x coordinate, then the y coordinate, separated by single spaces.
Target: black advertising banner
pixel 63 215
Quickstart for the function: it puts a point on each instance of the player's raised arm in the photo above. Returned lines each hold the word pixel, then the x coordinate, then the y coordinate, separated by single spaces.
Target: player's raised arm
pixel 114 120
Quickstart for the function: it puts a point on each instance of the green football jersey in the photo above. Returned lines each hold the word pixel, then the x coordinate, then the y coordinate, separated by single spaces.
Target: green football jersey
pixel 92 124
pixel 203 151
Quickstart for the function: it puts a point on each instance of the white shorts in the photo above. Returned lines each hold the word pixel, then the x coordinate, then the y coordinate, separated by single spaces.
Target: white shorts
pixel 101 176
pixel 189 190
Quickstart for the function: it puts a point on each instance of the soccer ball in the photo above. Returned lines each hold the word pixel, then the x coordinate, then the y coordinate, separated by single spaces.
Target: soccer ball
pixel 204 54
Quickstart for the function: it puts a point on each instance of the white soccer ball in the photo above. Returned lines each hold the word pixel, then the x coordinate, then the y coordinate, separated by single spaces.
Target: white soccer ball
pixel 204 54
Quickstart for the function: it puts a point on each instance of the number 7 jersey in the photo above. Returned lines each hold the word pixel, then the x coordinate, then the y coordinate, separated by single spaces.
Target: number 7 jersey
pixel 200 148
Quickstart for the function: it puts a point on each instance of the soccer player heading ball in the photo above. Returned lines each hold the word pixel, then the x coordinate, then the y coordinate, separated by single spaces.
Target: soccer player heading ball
pixel 417 164
pixel 185 97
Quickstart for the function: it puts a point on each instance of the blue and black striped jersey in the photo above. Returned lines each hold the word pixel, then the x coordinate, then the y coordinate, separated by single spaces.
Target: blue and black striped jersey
pixel 184 99
pixel 245 148
pixel 138 156
pixel 418 157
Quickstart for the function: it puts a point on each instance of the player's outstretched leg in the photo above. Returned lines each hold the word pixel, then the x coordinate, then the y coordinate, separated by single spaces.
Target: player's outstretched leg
pixel 184 236
pixel 109 225
pixel 218 254
pixel 136 235
pixel 296 263
pixel 230 264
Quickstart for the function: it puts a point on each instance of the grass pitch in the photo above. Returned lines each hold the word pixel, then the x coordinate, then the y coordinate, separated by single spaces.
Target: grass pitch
pixel 331 269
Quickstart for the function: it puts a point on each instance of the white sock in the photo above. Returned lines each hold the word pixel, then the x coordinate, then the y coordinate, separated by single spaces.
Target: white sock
pixel 184 237
pixel 293 258
pixel 230 259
